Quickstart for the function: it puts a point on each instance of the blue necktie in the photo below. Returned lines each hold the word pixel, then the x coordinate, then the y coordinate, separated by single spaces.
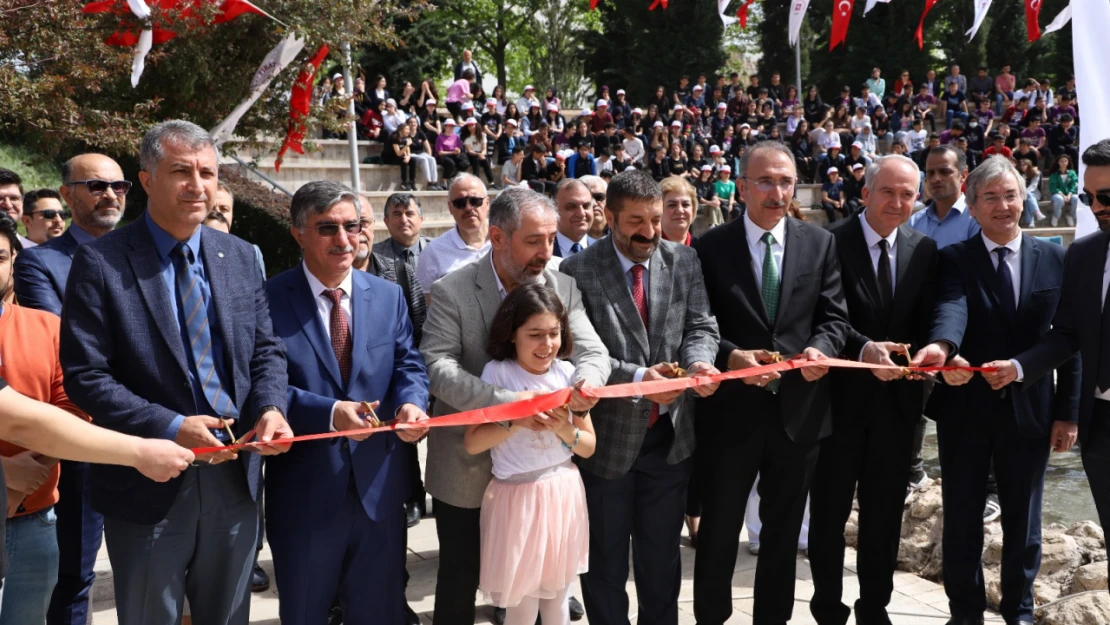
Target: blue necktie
pixel 1006 297
pixel 574 249
pixel 194 309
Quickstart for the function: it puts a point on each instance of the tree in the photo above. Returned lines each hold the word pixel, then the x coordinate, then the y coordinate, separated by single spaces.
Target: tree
pixel 425 49
pixel 63 90
pixel 493 25
pixel 555 47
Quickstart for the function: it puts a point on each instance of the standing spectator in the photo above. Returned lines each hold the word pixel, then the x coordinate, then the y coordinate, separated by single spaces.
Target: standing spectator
pixel 449 151
pixel 459 93
pixel 955 103
pixel 469 205
pixel 467 63
pixel 574 203
pixel 205 553
pixel 11 200
pixel 43 215
pixel 945 218
pixel 1063 187
pixel 877 84
pixel 832 191
pixel 474 142
pixel 403 219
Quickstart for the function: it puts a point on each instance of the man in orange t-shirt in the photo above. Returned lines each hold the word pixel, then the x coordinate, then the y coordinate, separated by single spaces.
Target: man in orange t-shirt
pixel 30 364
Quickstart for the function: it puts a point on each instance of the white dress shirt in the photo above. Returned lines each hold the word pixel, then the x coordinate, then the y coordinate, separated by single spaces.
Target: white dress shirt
pixel 758 249
pixel 444 254
pixel 565 244
pixel 872 238
pixel 1013 259
pixel 25 242
pixel 323 308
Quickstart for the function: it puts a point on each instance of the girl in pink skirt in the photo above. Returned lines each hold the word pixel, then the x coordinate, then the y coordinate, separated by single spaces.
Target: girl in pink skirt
pixel 535 534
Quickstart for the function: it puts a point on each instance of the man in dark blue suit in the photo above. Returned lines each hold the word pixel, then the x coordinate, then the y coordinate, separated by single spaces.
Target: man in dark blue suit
pixel 166 334
pixel 997 296
pixel 94 190
pixel 335 508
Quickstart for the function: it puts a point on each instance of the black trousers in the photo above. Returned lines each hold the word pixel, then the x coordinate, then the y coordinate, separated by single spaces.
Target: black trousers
pixel 482 164
pixel 872 457
pixel 408 170
pixel 1096 459
pixel 967 449
pixel 645 508
pixel 460 550
pixel 452 164
pixel 727 475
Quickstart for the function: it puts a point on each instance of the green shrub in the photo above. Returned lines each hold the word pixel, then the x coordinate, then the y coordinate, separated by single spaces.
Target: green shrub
pixel 262 218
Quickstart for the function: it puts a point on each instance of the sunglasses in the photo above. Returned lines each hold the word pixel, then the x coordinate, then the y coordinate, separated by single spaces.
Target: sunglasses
pixel 598 197
pixel 473 200
pixel 51 213
pixel 332 229
pixel 97 186
pixel 1087 198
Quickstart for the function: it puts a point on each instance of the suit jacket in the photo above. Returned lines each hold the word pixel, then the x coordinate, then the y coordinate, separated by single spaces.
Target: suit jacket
pixel 680 329
pixel 41 273
pixel 456 333
pixel 305 486
pixel 811 313
pixel 557 252
pixel 125 364
pixel 968 317
pixel 854 392
pixel 1076 326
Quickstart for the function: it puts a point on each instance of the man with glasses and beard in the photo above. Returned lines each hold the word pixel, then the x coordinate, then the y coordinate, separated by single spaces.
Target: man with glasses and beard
pixel 44 217
pixel 94 189
pixel 461 309
pixel 469 205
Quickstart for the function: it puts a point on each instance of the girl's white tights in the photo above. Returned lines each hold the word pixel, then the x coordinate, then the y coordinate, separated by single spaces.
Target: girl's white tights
pixel 554 611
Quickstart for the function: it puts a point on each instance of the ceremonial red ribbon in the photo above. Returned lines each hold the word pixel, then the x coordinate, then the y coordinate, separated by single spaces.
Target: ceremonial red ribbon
pixel 527 407
pixel 842 15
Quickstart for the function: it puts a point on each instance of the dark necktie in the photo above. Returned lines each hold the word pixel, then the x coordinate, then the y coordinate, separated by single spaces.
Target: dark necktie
pixel 640 299
pixel 574 249
pixel 1103 379
pixel 340 333
pixel 194 309
pixel 886 285
pixel 1006 297
pixel 770 288
pixel 418 305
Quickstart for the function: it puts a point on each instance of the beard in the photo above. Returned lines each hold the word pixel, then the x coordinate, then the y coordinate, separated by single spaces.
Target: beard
pixel 100 219
pixel 528 273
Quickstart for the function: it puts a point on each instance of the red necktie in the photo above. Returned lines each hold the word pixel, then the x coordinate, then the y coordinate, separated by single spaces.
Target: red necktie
pixel 340 333
pixel 640 299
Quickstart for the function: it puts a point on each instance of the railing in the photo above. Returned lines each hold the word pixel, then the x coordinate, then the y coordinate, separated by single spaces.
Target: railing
pixel 243 165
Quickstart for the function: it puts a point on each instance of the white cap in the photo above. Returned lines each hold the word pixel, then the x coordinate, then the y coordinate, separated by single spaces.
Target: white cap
pixel 470 120
pixel 429 101
pixel 725 168
pixel 676 123
pixel 707 168
pixel 620 91
pixel 745 126
pixel 857 144
pixel 510 121
pixel 677 107
pixel 638 111
pixel 835 142
pixel 721 106
pixel 832 170
pixel 391 101
pixel 697 88
pixel 602 102
pixel 553 107
pixel 657 125
pixel 535 103
pixel 450 121
pixel 491 102
pixel 713 149
pixel 337 76
pixel 467 106
pixel 857 166
pixel 529 88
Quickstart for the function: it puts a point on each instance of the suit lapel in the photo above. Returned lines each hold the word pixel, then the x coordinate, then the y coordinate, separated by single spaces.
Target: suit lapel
pixel 489 299
pixel 660 288
pixel 557 251
pixel 1030 263
pixel 746 273
pixel 363 310
pixel 303 303
pixel 981 259
pixel 613 282
pixel 860 254
pixel 218 270
pixel 69 243
pixel 905 244
pixel 790 261
pixel 148 273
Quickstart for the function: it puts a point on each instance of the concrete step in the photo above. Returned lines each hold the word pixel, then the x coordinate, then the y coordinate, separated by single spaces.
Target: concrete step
pixel 324 150
pixel 295 174
pixel 432 203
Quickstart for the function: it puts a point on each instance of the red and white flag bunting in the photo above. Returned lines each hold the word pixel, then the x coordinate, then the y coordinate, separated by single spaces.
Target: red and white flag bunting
pixel 920 35
pixel 842 15
pixel 1032 17
pixel 722 10
pixel 981 8
pixel 871 5
pixel 1061 19
pixel 277 60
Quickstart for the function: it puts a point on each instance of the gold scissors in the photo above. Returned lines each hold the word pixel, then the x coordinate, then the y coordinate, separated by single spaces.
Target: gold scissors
pixel 676 371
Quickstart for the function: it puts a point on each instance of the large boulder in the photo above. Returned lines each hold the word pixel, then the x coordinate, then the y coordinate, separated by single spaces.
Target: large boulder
pixel 1089 577
pixel 1089 609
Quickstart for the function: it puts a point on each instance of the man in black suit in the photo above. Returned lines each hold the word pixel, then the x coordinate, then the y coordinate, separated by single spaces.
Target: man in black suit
pixel 1082 324
pixel 889 273
pixel 997 297
pixel 774 285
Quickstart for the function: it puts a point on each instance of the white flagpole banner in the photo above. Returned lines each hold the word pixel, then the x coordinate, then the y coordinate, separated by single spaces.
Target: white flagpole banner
pixel 1061 19
pixel 981 8
pixel 278 59
pixel 871 5
pixel 729 20
pixel 1092 85
pixel 797 12
pixel 146 40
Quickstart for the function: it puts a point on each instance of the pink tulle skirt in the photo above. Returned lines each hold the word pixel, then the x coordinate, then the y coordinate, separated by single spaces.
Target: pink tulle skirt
pixel 535 535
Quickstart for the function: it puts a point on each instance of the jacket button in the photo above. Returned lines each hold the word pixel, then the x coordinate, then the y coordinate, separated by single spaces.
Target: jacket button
pixel 345 444
pixel 647 413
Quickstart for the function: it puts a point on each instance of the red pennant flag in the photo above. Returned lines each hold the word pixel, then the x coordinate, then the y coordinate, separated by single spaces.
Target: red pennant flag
pixel 656 3
pixel 742 13
pixel 921 24
pixel 1032 15
pixel 229 10
pixel 300 100
pixel 593 5
pixel 842 14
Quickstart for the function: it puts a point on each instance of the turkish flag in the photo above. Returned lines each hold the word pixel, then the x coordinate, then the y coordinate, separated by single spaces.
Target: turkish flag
pixel 1032 14
pixel 656 3
pixel 842 14
pixel 229 10
pixel 742 13
pixel 300 100
pixel 921 24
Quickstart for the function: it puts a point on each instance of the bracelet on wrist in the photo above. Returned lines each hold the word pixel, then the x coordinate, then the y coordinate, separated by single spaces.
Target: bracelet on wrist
pixel 577 436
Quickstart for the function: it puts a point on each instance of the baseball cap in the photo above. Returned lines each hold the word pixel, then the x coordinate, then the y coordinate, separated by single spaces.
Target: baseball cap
pixel 657 125
pixel 467 106
pixel 470 120
pixel 429 101
pixel 697 88
pixel 745 126
pixel 391 101
pixel 726 168
pixel 857 166
pixel 832 170
pixel 620 91
pixel 602 102
pixel 707 168
pixel 337 76
pixel 713 149
pixel 510 122
pixel 553 107
pixel 857 144
pixel 677 107
pixel 637 111
pixel 449 122
pixel 676 124
pixel 721 106
pixel 491 102
pixel 529 88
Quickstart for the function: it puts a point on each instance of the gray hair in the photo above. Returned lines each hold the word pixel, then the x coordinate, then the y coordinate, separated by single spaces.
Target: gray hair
pixel 463 177
pixel 776 146
pixel 880 162
pixel 318 197
pixel 152 150
pixel 402 199
pixel 221 186
pixel 570 182
pixel 509 206
pixel 988 171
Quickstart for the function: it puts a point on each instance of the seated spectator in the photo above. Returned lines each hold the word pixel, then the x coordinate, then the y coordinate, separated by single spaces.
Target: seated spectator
pixel 510 140
pixel 398 151
pixel 535 173
pixel 658 165
pixel 1061 107
pixel 1036 136
pixel 955 104
pixel 855 156
pixel 825 137
pixel 582 136
pixel 601 117
pixel 726 193
pixel 511 170
pixel 923 155
pixel 706 189
pixel 984 115
pixel 915 139
pixel 676 160
pixel 813 108
pixel 998 147
pixel 791 118
pixel 1005 84
pixel 876 84
pixel 1063 188
pixel 430 123
pixel 803 151
pixel 1064 139
pixel 859 121
pixel 832 158
pixel 370 125
pixel 449 151
pixel 633 148
pixel 925 103
pixel 832 192
pixel 543 137
pixel 1032 177
pixel 842 122
pixel 527 100
pixel 555 121
pixel 1016 114
pixel 766 114
pixel 604 159
pixel 532 121
pixel 620 160
pixel 902 120
pixel 581 163
pixel 696 160
pixel 981 88
pixel 853 189
pixel 867 101
pixel 421 152
pixel 948 137
pixel 792 101
pixel 880 128
pixel 971 156
pixel 474 144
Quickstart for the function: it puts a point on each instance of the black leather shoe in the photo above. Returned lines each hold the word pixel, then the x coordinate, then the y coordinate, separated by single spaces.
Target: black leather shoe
pixel 576 609
pixel 411 617
pixel 499 616
pixel 957 620
pixel 260 581
pixel 335 614
pixel 412 515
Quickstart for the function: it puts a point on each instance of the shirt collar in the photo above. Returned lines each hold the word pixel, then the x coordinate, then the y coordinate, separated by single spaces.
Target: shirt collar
pixel 318 287
pixel 1014 246
pixel 456 238
pixel 873 237
pixel 566 243
pixel 959 207
pixel 80 235
pixel 164 242
pixel 754 233
pixel 399 249
pixel 626 264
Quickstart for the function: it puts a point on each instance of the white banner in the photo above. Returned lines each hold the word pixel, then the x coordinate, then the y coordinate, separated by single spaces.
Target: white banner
pixel 278 59
pixel 797 13
pixel 1062 18
pixel 146 40
pixel 729 20
pixel 1092 85
pixel 871 5
pixel 981 8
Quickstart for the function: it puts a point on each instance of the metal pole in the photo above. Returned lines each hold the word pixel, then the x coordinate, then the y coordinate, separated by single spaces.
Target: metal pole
pixel 244 165
pixel 798 65
pixel 352 132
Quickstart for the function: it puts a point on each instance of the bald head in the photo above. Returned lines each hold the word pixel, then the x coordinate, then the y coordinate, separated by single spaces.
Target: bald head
pixel 95 213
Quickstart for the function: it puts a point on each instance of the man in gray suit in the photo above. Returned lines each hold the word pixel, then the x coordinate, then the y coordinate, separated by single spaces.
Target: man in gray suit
pixel 463 303
pixel 647 300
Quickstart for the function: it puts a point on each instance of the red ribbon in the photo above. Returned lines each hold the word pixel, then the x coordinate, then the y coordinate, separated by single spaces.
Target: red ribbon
pixel 527 407
pixel 656 3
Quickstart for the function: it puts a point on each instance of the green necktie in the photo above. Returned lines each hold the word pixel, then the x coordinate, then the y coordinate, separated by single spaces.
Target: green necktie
pixel 770 290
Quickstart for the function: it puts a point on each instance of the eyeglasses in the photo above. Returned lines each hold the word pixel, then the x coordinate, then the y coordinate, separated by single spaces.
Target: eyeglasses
pixel 97 186
pixel 1102 197
pixel 764 186
pixel 473 200
pixel 50 213
pixel 330 229
pixel 598 197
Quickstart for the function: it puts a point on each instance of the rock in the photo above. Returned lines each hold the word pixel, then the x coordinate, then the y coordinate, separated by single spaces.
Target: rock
pixel 1091 609
pixel 1044 591
pixel 926 501
pixel 992 555
pixel 992 580
pixel 1059 552
pixel 1087 529
pixel 1089 577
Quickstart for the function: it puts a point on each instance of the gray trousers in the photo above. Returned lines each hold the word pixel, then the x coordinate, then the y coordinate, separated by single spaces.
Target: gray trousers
pixel 203 549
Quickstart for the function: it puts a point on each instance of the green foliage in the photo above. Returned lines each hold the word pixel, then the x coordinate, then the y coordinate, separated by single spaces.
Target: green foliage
pixel 262 217
pixel 426 48
pixel 36 170
pixel 493 25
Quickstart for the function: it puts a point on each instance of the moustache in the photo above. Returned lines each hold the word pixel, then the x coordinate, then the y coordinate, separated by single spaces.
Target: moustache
pixel 107 203
pixel 639 238
pixel 341 249
pixel 774 204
